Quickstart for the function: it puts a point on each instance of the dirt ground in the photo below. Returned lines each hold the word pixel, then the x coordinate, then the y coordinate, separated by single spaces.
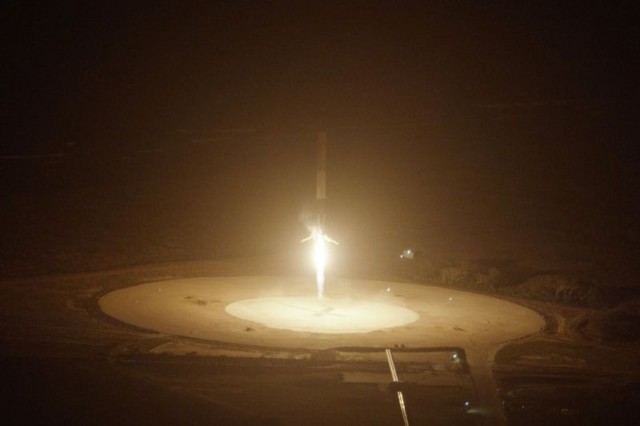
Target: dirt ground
pixel 63 360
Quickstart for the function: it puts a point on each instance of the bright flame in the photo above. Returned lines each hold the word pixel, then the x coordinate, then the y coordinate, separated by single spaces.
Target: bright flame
pixel 320 259
pixel 320 255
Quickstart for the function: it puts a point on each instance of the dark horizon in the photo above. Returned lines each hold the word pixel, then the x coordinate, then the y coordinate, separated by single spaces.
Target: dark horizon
pixel 80 69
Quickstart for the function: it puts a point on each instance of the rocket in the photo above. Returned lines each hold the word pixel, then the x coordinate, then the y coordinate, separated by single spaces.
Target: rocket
pixel 316 232
pixel 321 192
pixel 321 178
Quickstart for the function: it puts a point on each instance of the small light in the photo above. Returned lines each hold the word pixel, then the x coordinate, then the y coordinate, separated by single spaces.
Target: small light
pixel 451 299
pixel 466 403
pixel 388 289
pixel 407 254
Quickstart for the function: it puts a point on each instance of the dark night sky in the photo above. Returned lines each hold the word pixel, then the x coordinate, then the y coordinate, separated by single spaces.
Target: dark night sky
pixel 476 119
pixel 82 68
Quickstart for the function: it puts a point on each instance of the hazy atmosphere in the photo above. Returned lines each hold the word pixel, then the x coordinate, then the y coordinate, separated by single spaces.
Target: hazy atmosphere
pixel 152 141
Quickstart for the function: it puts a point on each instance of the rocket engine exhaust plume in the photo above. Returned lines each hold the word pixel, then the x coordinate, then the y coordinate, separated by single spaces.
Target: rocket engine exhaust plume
pixel 320 255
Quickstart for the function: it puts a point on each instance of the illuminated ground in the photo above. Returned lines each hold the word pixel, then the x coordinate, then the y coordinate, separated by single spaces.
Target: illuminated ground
pixel 63 356
pixel 313 315
pixel 282 312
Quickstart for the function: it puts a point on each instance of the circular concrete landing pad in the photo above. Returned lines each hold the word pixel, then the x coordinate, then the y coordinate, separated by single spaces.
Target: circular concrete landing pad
pixel 283 312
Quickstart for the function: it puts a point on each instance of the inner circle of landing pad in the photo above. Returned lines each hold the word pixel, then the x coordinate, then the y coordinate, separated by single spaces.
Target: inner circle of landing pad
pixel 326 315
pixel 284 312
